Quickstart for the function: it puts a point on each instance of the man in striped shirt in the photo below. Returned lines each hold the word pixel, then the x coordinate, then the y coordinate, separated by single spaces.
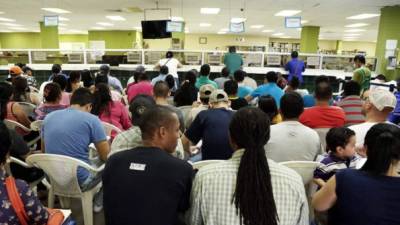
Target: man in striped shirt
pixel 351 103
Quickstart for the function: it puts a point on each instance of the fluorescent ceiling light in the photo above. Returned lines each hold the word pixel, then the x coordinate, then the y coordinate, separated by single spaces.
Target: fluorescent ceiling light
pixel 350 35
pixel 176 18
pixel 116 18
pixel 62 18
pixel 76 31
pixel 267 31
pixel 224 30
pixel 286 37
pixel 304 21
pixel 221 32
pixel 137 28
pixel 6 19
pixel 62 28
pixel 363 16
pixel 287 12
pixel 17 28
pixel 237 19
pixel 105 24
pixel 5 31
pixel 357 25
pixel 278 34
pixel 209 10
pixel 11 24
pixel 205 25
pixel 62 24
pixel 298 29
pixel 257 26
pixel 56 10
pixel 354 30
pixel 97 28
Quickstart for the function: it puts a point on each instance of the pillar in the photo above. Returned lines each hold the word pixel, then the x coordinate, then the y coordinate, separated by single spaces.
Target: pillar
pixel 178 37
pixel 339 47
pixel 49 36
pixel 389 29
pixel 309 39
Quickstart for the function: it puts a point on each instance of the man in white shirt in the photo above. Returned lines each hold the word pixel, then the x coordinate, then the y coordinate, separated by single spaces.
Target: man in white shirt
pixel 290 140
pixel 377 106
pixel 172 64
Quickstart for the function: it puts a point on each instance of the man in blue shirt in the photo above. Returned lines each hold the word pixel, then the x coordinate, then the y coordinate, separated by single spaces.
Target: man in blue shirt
pixel 243 90
pixel 112 81
pixel 70 131
pixel 269 88
pixel 295 67
pixel 161 77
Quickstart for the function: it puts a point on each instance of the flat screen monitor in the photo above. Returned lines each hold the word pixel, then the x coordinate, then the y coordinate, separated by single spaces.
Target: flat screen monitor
pixel 50 21
pixel 236 27
pixel 173 26
pixel 293 22
pixel 155 29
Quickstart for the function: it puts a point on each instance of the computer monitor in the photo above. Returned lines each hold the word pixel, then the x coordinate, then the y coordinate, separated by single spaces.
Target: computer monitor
pixel 155 29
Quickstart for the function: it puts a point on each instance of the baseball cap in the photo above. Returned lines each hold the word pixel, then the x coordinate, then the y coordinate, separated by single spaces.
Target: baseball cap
pixel 206 90
pixel 139 105
pixel 218 96
pixel 15 70
pixel 140 69
pixel 382 98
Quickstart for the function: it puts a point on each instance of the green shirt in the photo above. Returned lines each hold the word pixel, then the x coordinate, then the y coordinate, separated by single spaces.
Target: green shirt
pixel 362 76
pixel 202 80
pixel 233 62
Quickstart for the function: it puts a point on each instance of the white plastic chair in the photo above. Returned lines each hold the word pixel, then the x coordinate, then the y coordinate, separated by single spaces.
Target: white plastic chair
pixel 12 125
pixel 109 128
pixel 322 137
pixel 185 112
pixel 62 172
pixel 304 168
pixel 28 108
pixel 37 125
pixel 200 164
pixel 11 159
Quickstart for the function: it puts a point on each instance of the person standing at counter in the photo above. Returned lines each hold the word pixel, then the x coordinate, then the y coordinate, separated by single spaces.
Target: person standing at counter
pixel 232 60
pixel 172 64
pixel 295 67
pixel 362 75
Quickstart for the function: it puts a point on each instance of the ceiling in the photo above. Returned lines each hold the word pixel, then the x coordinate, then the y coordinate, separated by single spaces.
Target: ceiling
pixel 330 15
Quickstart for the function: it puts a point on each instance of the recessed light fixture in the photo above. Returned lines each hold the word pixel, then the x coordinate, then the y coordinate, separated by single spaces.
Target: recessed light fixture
pixel 278 34
pixel 267 31
pixel 257 26
pixel 205 25
pixel 354 30
pixel 17 28
pixel 209 10
pixel 287 12
pixel 176 19
pixel 56 10
pixel 6 19
pixel 304 21
pixel 62 18
pixel 357 25
pixel 221 32
pixel 115 18
pixel 237 19
pixel 11 24
pixel 352 35
pixel 286 37
pixel 105 24
pixel 363 16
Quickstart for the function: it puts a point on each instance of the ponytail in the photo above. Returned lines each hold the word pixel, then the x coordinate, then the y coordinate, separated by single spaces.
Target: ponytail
pixel 383 148
pixel 253 197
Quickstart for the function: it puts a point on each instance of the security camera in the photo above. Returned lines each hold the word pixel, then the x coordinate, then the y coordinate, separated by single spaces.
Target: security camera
pixel 241 9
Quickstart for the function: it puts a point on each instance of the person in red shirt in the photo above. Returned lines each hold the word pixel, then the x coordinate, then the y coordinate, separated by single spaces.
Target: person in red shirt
pixel 143 86
pixel 322 115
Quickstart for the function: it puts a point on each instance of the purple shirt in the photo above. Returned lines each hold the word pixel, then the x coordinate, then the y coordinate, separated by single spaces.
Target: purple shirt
pixel 296 68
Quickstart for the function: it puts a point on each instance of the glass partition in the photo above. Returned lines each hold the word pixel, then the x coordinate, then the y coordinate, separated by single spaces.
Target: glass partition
pixel 12 57
pixel 252 59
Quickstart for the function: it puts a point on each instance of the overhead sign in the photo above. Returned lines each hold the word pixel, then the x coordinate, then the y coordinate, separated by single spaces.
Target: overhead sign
pixel 236 27
pixel 293 22
pixel 173 26
pixel 50 21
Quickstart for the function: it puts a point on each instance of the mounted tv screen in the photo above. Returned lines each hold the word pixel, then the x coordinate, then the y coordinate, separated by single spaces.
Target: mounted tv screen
pixel 155 29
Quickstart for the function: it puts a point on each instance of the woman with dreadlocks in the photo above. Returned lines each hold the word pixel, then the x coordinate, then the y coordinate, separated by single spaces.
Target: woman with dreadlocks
pixel 248 189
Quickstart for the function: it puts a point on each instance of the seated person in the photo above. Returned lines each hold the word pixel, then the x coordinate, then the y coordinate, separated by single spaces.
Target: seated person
pixel 368 196
pixel 161 77
pixel 243 90
pixel 268 88
pixel 223 78
pixel 101 79
pixel 248 187
pixel 109 111
pixel 146 185
pixel 294 85
pixel 351 103
pixel 203 78
pixel 132 138
pixel 394 116
pixel 212 127
pixel 322 115
pixel 22 91
pixel 231 88
pixel 143 86
pixel 290 140
pixel 65 96
pixel 37 213
pixel 204 93
pixel 340 142
pixel 52 98
pixel 267 104
pixel 70 131
pixel 186 94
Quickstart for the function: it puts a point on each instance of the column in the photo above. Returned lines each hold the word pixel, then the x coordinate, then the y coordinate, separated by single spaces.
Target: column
pixel 339 47
pixel 309 39
pixel 389 29
pixel 49 36
pixel 178 39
